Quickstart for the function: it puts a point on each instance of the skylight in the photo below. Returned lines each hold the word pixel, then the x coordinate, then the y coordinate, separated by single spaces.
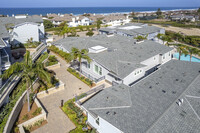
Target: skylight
pixel 97 49
pixel 130 27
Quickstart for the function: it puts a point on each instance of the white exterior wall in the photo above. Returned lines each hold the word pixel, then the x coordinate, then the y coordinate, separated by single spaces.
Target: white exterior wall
pixel 23 32
pixel 150 64
pixel 104 126
pixel 104 72
pixel 135 75
pixel 41 28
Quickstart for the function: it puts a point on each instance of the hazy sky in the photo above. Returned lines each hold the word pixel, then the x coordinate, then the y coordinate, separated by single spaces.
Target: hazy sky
pixel 99 3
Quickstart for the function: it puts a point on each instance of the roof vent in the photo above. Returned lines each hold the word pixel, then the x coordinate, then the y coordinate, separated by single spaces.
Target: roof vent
pixel 114 113
pixel 180 101
pixel 177 79
pixel 107 112
pixel 150 87
pixel 163 91
pixel 174 92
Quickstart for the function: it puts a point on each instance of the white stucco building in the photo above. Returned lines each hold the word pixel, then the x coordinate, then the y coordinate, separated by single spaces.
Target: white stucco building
pixel 118 59
pixel 21 33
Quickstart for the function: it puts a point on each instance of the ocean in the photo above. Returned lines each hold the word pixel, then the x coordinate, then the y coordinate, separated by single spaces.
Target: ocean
pixel 82 10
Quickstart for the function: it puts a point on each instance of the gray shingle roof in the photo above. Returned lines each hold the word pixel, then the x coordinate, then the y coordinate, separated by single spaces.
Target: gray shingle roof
pixel 123 55
pixel 150 105
pixel 144 30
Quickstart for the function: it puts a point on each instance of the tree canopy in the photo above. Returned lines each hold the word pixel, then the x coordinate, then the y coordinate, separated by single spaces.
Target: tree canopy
pixel 48 24
pixel 159 13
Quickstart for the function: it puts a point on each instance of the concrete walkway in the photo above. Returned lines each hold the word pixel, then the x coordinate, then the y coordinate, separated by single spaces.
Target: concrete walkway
pixel 58 122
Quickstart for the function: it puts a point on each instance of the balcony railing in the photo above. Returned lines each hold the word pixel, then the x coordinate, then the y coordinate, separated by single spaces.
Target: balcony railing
pixel 96 80
pixel 38 51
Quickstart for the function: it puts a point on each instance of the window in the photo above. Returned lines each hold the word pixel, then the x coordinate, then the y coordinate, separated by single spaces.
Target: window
pixel 100 71
pixel 97 121
pixel 135 73
pixel 88 65
pixel 154 58
pixel 140 70
pixel 96 68
pixel 169 54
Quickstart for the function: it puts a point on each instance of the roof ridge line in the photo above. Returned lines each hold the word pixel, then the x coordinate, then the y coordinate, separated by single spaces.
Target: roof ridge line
pixel 192 109
pixel 109 107
pixel 172 104
pixel 191 96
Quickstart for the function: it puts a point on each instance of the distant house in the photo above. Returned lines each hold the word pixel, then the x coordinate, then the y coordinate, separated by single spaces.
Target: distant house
pixel 165 101
pixel 134 30
pixel 115 19
pixel 118 59
pixel 181 17
pixel 83 21
pixel 71 20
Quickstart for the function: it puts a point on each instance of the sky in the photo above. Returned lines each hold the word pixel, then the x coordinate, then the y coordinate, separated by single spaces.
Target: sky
pixel 100 3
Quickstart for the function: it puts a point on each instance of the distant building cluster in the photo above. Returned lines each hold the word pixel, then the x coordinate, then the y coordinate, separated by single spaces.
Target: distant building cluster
pixel 87 19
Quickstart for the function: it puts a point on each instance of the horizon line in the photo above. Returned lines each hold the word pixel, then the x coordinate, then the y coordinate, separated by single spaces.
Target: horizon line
pixel 109 7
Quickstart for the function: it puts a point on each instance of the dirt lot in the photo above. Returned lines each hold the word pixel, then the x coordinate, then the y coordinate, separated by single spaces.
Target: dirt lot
pixel 186 31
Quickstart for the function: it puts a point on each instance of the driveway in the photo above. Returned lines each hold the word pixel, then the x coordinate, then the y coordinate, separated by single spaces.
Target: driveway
pixel 58 122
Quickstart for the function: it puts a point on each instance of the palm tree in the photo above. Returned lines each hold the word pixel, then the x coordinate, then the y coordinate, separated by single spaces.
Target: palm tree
pixel 181 50
pixel 28 70
pixel 80 54
pixel 192 51
pixel 164 38
pixel 98 23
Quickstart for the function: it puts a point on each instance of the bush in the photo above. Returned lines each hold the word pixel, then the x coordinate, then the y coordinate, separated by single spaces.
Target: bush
pixel 48 24
pixel 25 117
pixel 37 111
pixel 76 116
pixel 90 33
pixel 43 57
pixel 52 60
pixel 63 54
pixel 82 78
pixel 6 110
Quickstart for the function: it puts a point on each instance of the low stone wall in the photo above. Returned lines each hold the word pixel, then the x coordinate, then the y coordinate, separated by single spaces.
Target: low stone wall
pixel 50 91
pixel 54 66
pixel 43 116
pixel 14 114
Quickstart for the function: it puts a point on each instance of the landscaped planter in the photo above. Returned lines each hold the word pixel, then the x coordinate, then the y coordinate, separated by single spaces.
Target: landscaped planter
pixel 42 116
pixel 50 91
pixel 54 66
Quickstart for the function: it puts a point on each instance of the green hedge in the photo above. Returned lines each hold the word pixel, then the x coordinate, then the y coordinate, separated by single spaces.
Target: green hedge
pixel 82 78
pixel 76 116
pixel 191 40
pixel 43 57
pixel 6 110
pixel 52 60
pixel 63 54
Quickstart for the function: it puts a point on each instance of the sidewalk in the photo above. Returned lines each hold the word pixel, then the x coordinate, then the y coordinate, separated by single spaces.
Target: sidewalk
pixel 58 122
